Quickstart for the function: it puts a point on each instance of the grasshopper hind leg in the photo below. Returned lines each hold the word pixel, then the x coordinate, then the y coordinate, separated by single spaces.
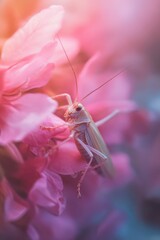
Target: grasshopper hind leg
pixel 82 177
pixel 90 154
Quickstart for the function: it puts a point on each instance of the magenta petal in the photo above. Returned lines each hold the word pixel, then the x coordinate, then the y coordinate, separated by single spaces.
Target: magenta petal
pixel 67 164
pixel 40 136
pixel 14 206
pixel 24 115
pixel 14 209
pixel 34 35
pixel 47 193
pixel 50 227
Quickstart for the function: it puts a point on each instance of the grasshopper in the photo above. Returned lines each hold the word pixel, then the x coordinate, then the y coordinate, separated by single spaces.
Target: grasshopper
pixel 87 137
pixel 84 130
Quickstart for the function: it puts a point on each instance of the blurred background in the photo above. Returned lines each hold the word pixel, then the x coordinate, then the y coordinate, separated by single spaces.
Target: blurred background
pixel 125 34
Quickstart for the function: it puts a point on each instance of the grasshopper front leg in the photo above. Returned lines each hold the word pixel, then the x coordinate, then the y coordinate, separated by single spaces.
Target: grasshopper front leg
pixel 107 118
pixel 66 95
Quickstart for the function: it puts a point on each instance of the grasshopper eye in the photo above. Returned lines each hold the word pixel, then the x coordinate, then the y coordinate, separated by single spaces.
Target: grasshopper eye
pixel 78 108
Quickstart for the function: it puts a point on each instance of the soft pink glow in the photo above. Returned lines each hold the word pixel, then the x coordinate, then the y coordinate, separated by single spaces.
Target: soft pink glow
pixel 39 172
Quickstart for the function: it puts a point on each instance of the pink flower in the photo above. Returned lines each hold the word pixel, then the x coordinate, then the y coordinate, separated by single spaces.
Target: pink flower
pixel 29 67
pixel 79 219
pixel 44 142
pixel 26 64
pixel 35 189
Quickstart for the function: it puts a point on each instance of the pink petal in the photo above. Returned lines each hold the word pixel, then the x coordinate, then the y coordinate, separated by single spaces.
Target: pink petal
pixel 14 206
pixel 34 71
pixel 67 160
pixel 51 227
pixel 47 193
pixel 14 209
pixel 1 79
pixel 123 171
pixel 117 89
pixel 52 126
pixel 71 47
pixel 34 35
pixel 29 172
pixel 14 152
pixel 24 115
pixel 107 107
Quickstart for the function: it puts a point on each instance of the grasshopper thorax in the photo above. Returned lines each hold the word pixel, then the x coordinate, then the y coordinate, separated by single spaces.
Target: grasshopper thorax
pixel 77 114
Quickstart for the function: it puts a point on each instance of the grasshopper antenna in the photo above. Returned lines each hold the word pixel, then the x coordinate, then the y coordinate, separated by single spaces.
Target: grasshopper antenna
pixel 73 71
pixel 103 84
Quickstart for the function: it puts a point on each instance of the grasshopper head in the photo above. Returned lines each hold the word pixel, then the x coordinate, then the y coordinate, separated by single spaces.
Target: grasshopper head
pixel 76 113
